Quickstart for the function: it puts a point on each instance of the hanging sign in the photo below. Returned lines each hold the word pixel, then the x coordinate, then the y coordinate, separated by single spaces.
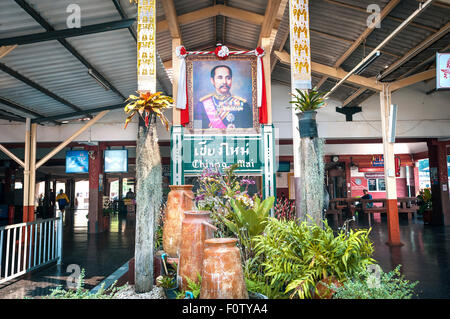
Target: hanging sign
pixel 300 48
pixel 442 71
pixel 146 49
pixel 221 151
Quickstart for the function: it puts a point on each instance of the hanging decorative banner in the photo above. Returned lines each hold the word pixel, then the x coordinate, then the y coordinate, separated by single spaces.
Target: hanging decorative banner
pixel 299 41
pixel 442 71
pixel 146 49
pixel 222 53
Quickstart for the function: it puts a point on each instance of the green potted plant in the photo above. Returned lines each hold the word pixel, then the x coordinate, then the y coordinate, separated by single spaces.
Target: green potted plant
pixel 424 202
pixel 306 103
pixel 169 284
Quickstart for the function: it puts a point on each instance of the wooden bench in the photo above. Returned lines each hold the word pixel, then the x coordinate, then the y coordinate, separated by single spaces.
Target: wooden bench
pixel 408 205
pixel 335 210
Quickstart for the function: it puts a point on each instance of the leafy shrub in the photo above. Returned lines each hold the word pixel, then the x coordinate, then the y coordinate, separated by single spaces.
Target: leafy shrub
pixel 367 285
pixel 81 293
pixel 296 257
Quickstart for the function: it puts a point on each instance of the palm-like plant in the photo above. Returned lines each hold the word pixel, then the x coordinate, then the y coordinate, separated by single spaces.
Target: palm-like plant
pixel 308 101
pixel 148 104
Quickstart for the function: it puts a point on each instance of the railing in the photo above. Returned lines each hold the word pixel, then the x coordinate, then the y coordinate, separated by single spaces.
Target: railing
pixel 27 246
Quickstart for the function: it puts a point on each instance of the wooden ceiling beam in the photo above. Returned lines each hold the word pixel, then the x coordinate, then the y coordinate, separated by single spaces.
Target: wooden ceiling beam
pixel 209 12
pixel 4 50
pixel 383 14
pixel 354 96
pixel 337 73
pixel 360 9
pixel 416 50
pixel 171 18
pixel 413 79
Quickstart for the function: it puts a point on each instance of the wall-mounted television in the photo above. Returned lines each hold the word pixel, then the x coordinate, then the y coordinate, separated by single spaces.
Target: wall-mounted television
pixel 116 161
pixel 77 162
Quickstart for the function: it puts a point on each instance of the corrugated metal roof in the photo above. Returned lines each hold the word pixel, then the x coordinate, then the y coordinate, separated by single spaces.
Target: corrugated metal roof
pixel 113 53
pixel 242 34
pixel 256 6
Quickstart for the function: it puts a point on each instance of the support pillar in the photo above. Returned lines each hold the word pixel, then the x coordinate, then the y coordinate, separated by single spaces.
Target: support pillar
pixel 437 153
pixel 389 171
pixel 96 186
pixel 29 172
pixel 9 192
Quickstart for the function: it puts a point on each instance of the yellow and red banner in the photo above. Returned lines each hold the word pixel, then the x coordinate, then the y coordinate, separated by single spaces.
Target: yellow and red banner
pixel 299 43
pixel 146 45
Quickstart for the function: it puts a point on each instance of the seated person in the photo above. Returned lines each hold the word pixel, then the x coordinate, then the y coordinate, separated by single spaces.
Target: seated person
pixel 367 196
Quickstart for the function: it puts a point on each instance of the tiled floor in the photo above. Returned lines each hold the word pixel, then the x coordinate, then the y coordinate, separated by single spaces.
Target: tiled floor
pixel 99 254
pixel 425 255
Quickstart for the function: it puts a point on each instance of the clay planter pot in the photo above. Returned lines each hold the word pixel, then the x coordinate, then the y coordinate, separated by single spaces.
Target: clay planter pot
pixel 427 215
pixel 180 199
pixel 323 292
pixel 196 228
pixel 222 275
pixel 307 124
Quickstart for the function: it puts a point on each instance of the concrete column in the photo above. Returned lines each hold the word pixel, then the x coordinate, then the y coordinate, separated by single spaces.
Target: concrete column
pixel 96 186
pixel 437 153
pixel 389 171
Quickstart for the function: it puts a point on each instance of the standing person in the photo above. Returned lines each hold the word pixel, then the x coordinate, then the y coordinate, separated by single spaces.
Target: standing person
pixel 130 194
pixel 62 200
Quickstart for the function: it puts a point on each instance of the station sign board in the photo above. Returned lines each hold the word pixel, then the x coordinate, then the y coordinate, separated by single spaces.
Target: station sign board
pixel 220 151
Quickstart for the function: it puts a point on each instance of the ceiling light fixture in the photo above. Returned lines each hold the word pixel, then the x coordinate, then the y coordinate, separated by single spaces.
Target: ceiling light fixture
pixel 367 63
pixel 97 79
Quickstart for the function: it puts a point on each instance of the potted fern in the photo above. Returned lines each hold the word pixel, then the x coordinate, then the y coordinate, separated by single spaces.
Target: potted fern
pixel 306 103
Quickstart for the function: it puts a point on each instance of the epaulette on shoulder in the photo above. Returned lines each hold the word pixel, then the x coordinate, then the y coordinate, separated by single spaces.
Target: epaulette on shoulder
pixel 205 97
pixel 240 98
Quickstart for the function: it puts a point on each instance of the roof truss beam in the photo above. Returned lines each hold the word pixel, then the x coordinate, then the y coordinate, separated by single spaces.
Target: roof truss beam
pixel 36 86
pixel 21 108
pixel 67 33
pixel 337 73
pixel 39 19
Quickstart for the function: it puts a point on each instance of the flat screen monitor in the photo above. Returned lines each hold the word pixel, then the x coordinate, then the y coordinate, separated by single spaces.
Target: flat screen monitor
pixel 116 161
pixel 77 162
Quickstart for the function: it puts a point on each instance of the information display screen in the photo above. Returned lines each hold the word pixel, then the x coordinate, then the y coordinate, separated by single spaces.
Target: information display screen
pixel 77 162
pixel 116 161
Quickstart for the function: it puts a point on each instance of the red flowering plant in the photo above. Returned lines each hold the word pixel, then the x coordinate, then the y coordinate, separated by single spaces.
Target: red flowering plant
pixel 284 209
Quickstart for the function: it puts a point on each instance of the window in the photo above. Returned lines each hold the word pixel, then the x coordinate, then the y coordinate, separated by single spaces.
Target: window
pixel 376 185
pixel 381 184
pixel 372 184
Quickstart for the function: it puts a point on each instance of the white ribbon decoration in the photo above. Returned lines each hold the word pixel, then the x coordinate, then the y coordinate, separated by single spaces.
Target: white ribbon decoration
pixel 259 78
pixel 181 94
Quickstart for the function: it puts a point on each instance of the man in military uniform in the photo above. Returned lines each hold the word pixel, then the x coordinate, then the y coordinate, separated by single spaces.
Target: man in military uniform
pixel 221 109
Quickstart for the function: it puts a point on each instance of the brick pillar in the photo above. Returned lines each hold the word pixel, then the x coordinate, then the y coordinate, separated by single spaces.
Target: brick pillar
pixel 439 183
pixel 96 185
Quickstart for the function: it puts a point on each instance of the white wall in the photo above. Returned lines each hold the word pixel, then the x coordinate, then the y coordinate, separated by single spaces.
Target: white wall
pixel 419 115
pixel 108 128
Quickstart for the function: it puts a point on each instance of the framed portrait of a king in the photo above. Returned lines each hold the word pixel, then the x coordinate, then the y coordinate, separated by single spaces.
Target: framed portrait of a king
pixel 222 94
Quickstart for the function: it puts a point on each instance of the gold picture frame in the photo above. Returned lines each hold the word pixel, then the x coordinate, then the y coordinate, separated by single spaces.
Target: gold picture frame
pixel 190 129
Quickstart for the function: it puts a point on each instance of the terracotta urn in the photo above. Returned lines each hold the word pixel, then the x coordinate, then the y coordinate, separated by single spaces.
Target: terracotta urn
pixel 180 199
pixel 323 292
pixel 222 274
pixel 196 228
